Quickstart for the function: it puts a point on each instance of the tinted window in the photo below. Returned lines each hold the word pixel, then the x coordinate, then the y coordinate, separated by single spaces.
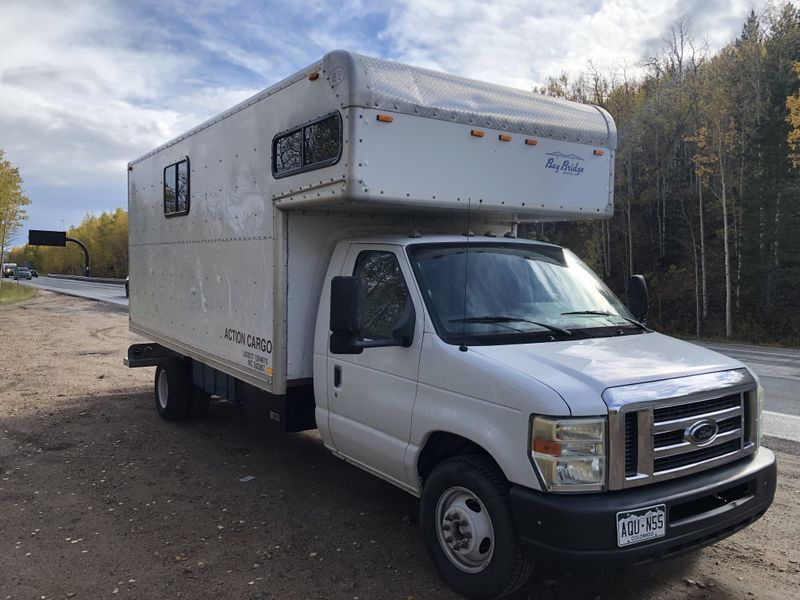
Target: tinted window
pixel 288 154
pixel 169 190
pixel 176 189
pixel 321 141
pixel 183 187
pixel 387 294
pixel 311 146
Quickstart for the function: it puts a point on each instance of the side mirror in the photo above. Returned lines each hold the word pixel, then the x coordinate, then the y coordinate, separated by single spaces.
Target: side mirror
pixel 348 296
pixel 638 297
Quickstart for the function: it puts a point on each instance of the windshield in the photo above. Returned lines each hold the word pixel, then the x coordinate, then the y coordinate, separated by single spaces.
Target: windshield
pixel 542 292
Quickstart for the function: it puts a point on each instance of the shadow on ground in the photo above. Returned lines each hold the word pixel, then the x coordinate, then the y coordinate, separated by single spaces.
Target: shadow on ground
pixel 102 495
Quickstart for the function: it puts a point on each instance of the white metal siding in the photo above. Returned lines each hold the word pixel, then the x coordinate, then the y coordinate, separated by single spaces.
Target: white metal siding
pixel 202 283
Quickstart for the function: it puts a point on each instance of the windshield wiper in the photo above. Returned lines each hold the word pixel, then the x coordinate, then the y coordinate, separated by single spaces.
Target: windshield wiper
pixel 603 313
pixel 500 319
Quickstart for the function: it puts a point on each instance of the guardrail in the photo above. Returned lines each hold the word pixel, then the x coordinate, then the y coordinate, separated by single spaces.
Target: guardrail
pixel 92 279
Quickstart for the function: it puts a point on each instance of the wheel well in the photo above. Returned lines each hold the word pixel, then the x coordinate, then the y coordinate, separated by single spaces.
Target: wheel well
pixel 442 445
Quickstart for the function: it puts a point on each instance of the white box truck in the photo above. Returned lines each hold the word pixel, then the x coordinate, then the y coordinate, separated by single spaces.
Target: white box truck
pixel 309 251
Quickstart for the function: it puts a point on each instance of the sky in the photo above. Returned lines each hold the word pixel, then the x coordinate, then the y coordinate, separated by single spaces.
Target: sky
pixel 87 85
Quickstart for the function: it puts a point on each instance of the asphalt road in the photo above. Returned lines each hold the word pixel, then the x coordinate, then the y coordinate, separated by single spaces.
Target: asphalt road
pixel 104 292
pixel 778 368
pixel 779 371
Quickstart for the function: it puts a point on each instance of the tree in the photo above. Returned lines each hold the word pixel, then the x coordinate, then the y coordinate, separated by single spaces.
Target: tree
pixel 12 204
pixel 707 180
pixel 106 236
pixel 793 139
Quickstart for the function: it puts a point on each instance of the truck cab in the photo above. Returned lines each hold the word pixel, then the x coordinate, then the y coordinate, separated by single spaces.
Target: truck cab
pixel 448 358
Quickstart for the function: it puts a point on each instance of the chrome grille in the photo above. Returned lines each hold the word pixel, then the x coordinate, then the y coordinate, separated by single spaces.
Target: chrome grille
pixel 694 409
pixel 651 441
pixel 671 447
pixel 677 461
pixel 631 435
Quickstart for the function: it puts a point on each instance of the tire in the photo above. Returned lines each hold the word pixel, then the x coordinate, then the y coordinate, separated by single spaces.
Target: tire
pixel 173 389
pixel 470 492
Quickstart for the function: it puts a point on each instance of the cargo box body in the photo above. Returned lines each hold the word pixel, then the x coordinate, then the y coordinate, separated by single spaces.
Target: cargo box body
pixel 234 280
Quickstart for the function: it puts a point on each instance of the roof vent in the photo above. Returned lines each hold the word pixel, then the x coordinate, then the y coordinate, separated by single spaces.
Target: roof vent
pixel 415 234
pixel 509 234
pixel 489 234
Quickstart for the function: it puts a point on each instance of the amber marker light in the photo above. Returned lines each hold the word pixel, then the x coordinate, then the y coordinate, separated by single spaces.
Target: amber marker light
pixel 503 137
pixel 385 118
pixel 599 152
pixel 476 133
pixel 547 447
pixel 313 76
pixel 531 142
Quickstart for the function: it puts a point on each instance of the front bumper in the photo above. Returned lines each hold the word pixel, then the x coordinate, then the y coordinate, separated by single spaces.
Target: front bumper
pixel 701 510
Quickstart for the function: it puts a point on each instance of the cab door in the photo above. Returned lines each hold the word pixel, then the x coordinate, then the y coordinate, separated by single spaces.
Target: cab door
pixel 372 394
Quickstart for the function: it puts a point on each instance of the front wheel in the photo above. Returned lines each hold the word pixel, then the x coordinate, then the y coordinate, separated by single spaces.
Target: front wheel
pixel 469 529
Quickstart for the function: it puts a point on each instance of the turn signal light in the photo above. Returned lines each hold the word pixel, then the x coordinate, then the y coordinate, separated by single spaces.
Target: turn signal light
pixel 547 447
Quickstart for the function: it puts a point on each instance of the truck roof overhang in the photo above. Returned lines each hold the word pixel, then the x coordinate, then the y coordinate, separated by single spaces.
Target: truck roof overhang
pixel 389 86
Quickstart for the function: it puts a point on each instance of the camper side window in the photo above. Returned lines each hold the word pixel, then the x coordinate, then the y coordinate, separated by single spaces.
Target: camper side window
pixel 176 189
pixel 312 146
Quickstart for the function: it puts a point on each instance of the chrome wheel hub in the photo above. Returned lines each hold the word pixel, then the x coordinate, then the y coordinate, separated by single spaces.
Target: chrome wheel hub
pixel 464 529
pixel 163 389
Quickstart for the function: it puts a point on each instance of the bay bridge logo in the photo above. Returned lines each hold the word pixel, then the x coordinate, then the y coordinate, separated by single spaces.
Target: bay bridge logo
pixel 566 164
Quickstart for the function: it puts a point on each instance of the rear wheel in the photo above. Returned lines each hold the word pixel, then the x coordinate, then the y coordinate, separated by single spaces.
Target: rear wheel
pixel 470 531
pixel 173 389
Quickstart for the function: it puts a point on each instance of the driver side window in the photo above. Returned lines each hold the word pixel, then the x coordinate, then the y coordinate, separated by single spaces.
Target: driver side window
pixel 387 293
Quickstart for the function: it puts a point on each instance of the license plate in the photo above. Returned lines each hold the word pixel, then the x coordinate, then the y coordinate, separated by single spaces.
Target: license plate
pixel 642 524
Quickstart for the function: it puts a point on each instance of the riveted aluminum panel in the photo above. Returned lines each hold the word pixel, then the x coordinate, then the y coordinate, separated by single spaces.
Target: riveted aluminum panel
pixel 211 284
pixel 370 82
pixel 422 164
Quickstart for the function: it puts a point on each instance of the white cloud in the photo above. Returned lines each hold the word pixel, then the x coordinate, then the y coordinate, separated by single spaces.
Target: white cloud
pixel 520 43
pixel 79 96
pixel 86 85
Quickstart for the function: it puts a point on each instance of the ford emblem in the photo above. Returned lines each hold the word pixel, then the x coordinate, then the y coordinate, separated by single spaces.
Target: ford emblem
pixel 702 432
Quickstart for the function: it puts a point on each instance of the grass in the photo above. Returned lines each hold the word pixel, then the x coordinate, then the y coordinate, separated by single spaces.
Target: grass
pixel 11 292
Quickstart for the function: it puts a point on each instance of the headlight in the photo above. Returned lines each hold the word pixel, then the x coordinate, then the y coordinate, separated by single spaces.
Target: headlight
pixel 570 453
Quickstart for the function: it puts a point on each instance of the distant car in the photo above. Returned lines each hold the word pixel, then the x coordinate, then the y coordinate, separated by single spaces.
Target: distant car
pixel 34 273
pixel 127 286
pixel 23 273
pixel 8 269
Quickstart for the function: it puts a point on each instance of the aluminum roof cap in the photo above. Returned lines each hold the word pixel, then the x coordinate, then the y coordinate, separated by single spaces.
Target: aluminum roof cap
pixel 376 83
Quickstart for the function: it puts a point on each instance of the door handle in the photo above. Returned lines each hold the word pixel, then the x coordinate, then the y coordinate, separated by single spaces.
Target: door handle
pixel 337 376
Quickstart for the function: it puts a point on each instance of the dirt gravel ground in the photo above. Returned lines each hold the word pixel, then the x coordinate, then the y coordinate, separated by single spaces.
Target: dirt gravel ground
pixel 100 498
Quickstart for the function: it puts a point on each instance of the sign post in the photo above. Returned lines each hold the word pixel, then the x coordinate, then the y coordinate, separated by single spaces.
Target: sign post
pixel 41 237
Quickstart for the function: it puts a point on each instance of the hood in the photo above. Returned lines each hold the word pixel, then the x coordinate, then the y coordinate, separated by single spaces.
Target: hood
pixel 579 371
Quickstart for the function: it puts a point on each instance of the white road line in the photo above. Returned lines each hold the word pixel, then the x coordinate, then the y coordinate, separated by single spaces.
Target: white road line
pixel 739 350
pixel 781 425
